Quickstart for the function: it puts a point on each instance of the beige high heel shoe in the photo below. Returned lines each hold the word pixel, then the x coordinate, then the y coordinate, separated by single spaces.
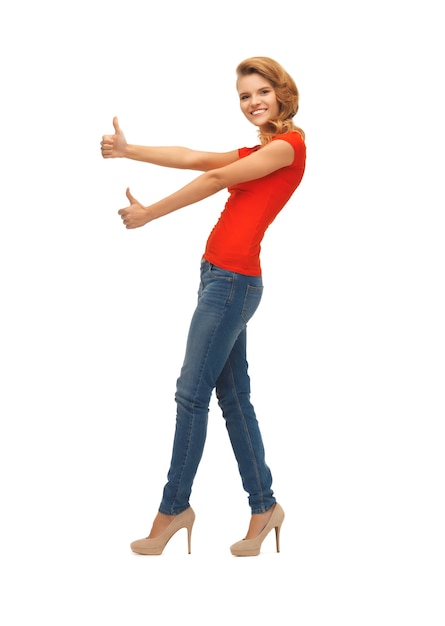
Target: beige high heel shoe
pixel 156 545
pixel 252 547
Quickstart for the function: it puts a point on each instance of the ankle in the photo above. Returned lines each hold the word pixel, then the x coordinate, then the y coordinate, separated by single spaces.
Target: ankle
pixel 160 523
pixel 257 523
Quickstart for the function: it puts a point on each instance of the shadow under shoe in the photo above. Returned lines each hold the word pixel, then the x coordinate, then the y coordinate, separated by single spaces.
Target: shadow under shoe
pixel 252 547
pixel 156 545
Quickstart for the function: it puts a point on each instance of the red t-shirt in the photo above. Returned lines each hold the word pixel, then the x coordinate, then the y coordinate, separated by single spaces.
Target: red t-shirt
pixel 235 241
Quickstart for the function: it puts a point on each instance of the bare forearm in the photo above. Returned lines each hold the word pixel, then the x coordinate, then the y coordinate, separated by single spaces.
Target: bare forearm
pixel 179 157
pixel 175 156
pixel 200 188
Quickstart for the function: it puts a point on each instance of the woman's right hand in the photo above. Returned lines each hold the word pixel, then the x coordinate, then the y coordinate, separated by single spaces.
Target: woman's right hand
pixel 113 146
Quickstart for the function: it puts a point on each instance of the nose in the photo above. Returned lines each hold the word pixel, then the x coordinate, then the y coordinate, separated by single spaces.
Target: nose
pixel 256 98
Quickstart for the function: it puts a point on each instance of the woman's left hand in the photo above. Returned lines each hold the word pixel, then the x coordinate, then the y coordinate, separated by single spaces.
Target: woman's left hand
pixel 135 215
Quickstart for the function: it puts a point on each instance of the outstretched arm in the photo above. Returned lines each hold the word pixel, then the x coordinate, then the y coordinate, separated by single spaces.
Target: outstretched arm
pixel 116 146
pixel 272 157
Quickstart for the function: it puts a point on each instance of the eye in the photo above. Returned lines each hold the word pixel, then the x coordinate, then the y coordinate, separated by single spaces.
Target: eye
pixel 244 97
pixel 265 91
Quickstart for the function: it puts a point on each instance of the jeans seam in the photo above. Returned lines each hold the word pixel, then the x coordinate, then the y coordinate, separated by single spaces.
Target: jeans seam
pixel 246 431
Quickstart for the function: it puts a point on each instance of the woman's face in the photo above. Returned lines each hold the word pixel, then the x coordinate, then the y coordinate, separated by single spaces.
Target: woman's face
pixel 258 101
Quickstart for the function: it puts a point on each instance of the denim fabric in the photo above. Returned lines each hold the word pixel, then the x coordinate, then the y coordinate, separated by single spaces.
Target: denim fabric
pixel 215 359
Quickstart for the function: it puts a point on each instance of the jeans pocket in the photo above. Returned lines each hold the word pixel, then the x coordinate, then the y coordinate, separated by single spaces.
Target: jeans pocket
pixel 251 301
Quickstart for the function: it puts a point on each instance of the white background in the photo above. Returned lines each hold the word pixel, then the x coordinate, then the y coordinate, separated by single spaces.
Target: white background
pixel 346 351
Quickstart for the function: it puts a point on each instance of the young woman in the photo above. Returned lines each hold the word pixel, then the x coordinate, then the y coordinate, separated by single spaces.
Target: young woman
pixel 260 181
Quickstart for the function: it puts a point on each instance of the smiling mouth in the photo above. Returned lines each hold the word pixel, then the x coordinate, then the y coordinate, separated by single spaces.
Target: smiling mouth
pixel 258 112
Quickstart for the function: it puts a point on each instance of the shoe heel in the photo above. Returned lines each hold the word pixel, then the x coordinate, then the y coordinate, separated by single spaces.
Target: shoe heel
pixel 189 538
pixel 277 536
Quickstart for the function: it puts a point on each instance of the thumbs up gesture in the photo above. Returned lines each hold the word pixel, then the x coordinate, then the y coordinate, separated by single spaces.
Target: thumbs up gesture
pixel 113 146
pixel 136 214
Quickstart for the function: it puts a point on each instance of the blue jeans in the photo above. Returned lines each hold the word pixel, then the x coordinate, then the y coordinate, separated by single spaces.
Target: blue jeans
pixel 216 359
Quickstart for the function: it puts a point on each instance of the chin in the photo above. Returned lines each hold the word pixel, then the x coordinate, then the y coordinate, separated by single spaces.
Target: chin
pixel 257 123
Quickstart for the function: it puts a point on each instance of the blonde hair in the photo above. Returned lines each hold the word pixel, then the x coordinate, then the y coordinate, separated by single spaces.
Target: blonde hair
pixel 286 92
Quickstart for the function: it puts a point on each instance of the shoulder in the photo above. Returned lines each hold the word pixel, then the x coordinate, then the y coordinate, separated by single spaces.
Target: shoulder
pixel 293 137
pixel 295 141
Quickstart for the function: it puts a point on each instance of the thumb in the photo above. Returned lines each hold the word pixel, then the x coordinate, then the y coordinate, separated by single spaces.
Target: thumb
pixel 130 197
pixel 116 125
